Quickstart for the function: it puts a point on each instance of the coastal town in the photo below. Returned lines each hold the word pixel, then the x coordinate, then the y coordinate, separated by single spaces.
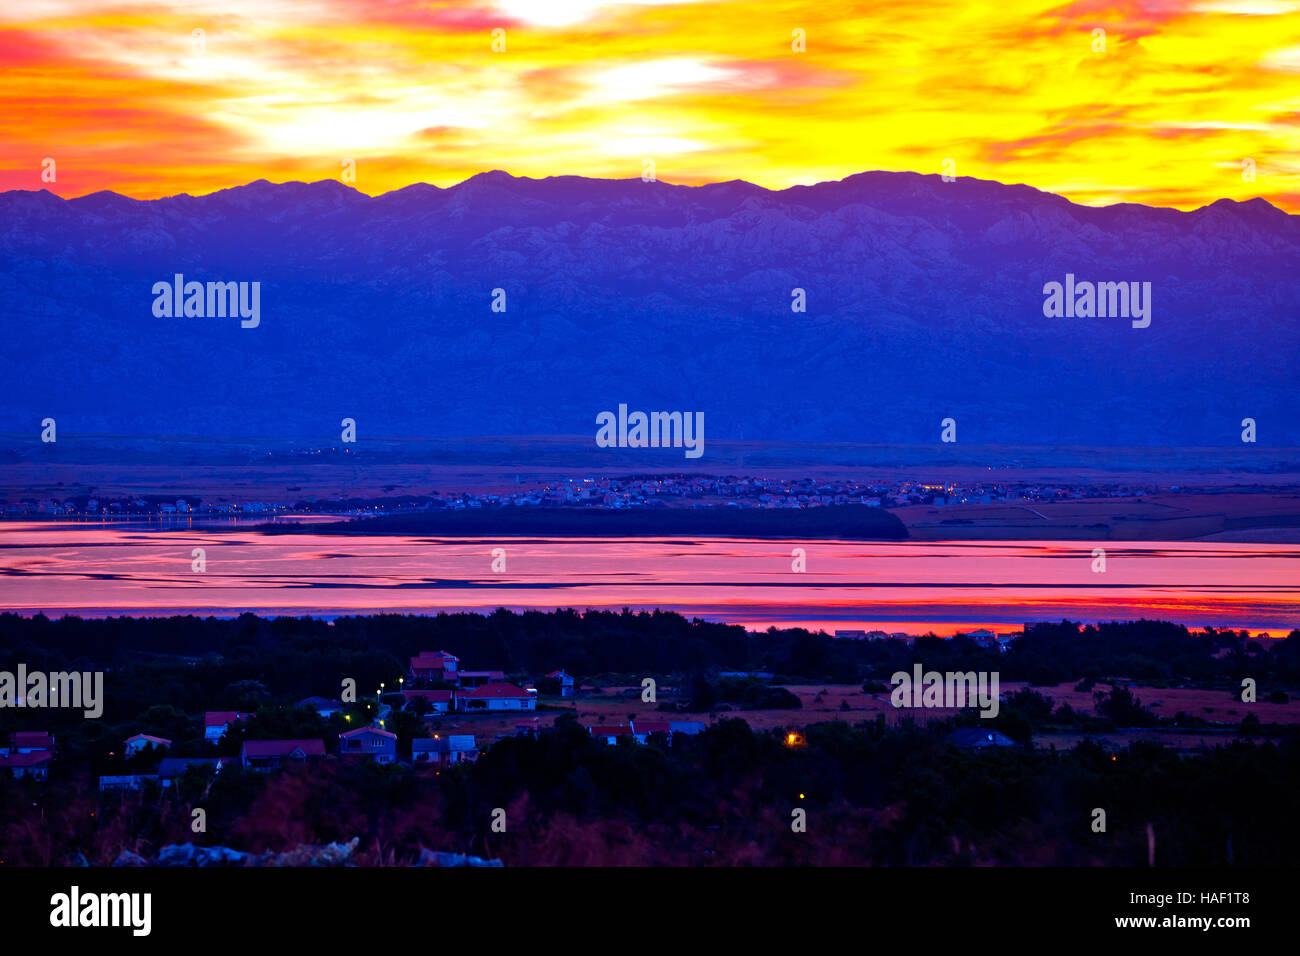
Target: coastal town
pixel 433 693
pixel 630 492
pixel 217 731
pixel 439 688
pixel 434 689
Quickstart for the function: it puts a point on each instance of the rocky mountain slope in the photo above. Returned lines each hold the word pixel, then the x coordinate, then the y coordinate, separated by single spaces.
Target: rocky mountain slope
pixel 924 300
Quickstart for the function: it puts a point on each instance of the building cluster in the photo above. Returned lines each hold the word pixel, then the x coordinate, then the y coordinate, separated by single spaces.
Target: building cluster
pixel 460 691
pixel 30 753
pixel 982 637
pixel 447 688
pixel 370 743
pixel 470 691
pixel 628 492
pixel 641 730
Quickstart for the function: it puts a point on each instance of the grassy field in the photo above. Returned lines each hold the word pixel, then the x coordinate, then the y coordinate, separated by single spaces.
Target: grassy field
pixel 825 702
pixel 1264 516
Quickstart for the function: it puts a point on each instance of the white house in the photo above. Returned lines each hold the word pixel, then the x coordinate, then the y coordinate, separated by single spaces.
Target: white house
pixel 217 722
pixel 443 751
pixel 491 697
pixel 379 745
pixel 566 682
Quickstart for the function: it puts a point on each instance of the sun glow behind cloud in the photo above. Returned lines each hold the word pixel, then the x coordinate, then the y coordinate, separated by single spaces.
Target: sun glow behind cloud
pixel 120 95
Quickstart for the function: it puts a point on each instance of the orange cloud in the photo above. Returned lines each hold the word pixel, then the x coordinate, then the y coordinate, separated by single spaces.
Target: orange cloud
pixel 1164 108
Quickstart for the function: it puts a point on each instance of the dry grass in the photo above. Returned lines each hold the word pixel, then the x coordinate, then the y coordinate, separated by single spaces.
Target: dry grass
pixel 822 702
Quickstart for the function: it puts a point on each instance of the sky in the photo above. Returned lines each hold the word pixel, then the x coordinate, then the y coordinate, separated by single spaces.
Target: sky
pixel 1180 103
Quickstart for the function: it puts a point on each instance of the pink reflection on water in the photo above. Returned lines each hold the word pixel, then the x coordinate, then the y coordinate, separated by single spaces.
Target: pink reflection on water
pixel 940 586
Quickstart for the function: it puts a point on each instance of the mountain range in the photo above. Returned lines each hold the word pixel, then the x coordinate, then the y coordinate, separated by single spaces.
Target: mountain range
pixel 924 300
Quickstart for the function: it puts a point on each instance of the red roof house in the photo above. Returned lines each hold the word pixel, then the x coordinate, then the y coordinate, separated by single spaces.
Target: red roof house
pixel 30 741
pixel 610 733
pixel 34 764
pixel 270 754
pixel 434 665
pixel 495 696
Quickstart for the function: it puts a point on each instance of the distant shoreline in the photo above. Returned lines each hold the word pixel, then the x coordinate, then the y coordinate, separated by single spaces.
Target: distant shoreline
pixel 845 522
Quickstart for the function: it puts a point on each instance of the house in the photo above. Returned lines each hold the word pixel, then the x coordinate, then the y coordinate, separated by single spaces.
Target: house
pixel 977 738
pixel 272 754
pixel 443 751
pixel 982 636
pixel 379 745
pixel 34 764
pixel 609 733
pixel 566 682
pixel 642 729
pixel 491 697
pixel 171 769
pixel 468 679
pixel 323 706
pixel 435 701
pixel 125 781
pixel 142 742
pixel 435 665
pixel 217 722
pixel 30 741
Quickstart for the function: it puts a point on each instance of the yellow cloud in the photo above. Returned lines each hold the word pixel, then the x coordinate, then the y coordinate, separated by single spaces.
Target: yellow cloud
pixel 1161 108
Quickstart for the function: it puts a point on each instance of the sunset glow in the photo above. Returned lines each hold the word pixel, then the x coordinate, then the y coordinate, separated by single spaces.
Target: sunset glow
pixel 125 95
